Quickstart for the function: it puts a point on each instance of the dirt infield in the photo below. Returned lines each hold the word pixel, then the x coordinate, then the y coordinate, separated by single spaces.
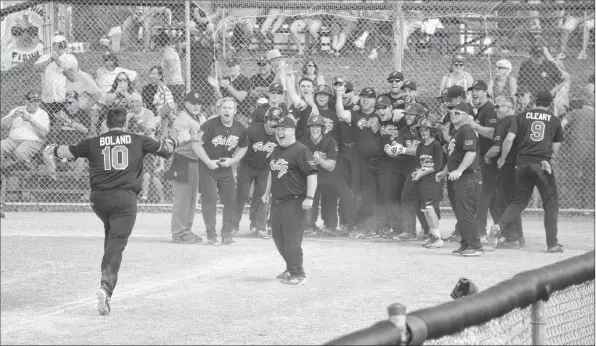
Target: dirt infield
pixel 196 294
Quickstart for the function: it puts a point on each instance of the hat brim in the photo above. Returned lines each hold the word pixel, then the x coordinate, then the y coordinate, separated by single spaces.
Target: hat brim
pixel 477 88
pixel 283 125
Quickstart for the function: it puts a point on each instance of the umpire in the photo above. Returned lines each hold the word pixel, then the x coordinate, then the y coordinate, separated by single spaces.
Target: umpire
pixel 292 183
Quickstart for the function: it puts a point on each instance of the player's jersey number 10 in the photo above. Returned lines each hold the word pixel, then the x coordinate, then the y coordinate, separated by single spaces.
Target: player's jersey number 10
pixel 115 158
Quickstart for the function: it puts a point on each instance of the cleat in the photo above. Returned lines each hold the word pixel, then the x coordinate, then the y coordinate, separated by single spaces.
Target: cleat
pixel 405 236
pixel 235 231
pixel 423 237
pixel 435 243
pixel 472 252
pixel 356 234
pixel 284 276
pixel 103 307
pixel 493 236
pixel 555 248
pixel 459 250
pixel 509 245
pixel 263 234
pixel 213 242
pixel 501 240
pixel 228 241
pixel 310 231
pixel 453 237
pixel 186 238
pixel 295 280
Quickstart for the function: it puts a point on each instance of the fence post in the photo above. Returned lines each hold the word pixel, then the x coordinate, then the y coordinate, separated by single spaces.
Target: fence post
pixel 187 43
pixel 398 27
pixel 397 315
pixel 538 323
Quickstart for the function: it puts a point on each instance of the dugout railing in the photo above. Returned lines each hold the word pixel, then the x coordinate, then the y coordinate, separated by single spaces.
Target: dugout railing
pixel 552 305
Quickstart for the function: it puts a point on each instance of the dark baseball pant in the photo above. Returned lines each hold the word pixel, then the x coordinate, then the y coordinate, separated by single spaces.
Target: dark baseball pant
pixel 487 199
pixel 506 184
pixel 464 197
pixel 348 167
pixel 246 176
pixel 331 191
pixel 117 209
pixel 379 196
pixel 530 175
pixel 312 215
pixel 212 181
pixel 287 221
pixel 410 204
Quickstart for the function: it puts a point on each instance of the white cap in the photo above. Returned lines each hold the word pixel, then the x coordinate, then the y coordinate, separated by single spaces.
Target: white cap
pixel 58 38
pixel 505 63
pixel 68 61
pixel 274 53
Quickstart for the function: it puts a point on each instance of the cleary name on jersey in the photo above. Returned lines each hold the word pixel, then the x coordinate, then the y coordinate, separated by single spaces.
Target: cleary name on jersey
pixel 463 140
pixel 220 141
pixel 116 159
pixel 536 132
pixel 327 149
pixel 289 168
pixel 260 146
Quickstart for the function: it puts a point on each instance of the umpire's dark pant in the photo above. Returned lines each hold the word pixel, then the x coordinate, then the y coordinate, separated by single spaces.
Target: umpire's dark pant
pixel 410 204
pixel 487 199
pixel 506 184
pixel 117 209
pixel 212 181
pixel 379 195
pixel 464 196
pixel 530 175
pixel 246 176
pixel 287 221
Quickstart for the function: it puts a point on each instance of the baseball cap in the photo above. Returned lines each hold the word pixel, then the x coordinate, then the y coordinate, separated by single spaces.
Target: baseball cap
pixel 462 106
pixel 349 87
pixel 395 75
pixel 232 62
pixel 324 89
pixel 286 122
pixel 478 84
pixel 273 53
pixel 59 38
pixel 276 87
pixel 544 97
pixel 32 96
pixel 455 91
pixel 410 84
pixel 458 58
pixel 193 98
pixel 415 108
pixel 536 51
pixel 368 91
pixel 383 101
pixel 443 96
pixel 505 64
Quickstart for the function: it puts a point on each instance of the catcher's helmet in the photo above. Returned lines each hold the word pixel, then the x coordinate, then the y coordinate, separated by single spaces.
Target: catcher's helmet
pixel 315 120
pixel 274 112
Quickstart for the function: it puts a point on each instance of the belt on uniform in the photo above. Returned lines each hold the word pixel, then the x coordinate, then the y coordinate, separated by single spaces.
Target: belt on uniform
pixel 286 199
pixel 349 145
pixel 472 171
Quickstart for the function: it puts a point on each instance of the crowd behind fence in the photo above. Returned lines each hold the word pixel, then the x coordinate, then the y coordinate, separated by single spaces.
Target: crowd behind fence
pixel 363 41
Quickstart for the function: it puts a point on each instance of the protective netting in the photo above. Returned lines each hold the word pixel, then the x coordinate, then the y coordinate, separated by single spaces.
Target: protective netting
pixel 569 316
pixel 361 40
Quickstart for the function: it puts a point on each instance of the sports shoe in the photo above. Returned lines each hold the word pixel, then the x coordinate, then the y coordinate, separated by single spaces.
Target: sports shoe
pixel 213 242
pixel 235 231
pixel 484 240
pixel 228 241
pixel 501 240
pixel 263 234
pixel 472 252
pixel 435 243
pixel 514 244
pixel 555 248
pixel 372 234
pixel 310 231
pixel 453 237
pixel 329 230
pixel 493 236
pixel 295 280
pixel 459 250
pixel 103 307
pixel 423 237
pixel 284 276
pixel 185 238
pixel 357 234
pixel 405 236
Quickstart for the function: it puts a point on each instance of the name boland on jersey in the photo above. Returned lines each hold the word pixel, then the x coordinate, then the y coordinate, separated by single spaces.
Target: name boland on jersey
pixel 116 159
pixel 504 126
pixel 463 140
pixel 290 166
pixel 537 129
pixel 260 146
pixel 369 142
pixel 407 139
pixel 327 149
pixel 220 141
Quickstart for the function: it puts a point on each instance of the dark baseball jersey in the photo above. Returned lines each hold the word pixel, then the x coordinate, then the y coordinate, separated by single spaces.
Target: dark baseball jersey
pixel 504 126
pixel 389 134
pixel 463 140
pixel 301 117
pixel 241 83
pixel 346 131
pixel 289 168
pixel 486 116
pixel 369 142
pixel 396 102
pixel 116 159
pixel 408 139
pixel 331 123
pixel 258 115
pixel 535 78
pixel 537 129
pixel 260 146
pixel 429 156
pixel 327 149
pixel 220 141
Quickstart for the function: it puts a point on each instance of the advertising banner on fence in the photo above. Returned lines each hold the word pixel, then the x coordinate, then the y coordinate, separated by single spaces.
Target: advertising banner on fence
pixel 22 36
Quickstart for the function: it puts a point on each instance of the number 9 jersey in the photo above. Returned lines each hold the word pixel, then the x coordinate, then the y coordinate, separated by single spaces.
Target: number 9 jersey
pixel 116 159
pixel 537 129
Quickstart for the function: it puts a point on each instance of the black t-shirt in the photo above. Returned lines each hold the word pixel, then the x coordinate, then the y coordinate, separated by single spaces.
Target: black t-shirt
pixel 346 131
pixel 389 134
pixel 331 123
pixel 301 117
pixel 463 140
pixel 369 143
pixel 535 78
pixel 220 141
pixel 241 83
pixel 429 156
pixel 260 146
pixel 289 168
pixel 116 159
pixel 258 115
pixel 258 80
pixel 486 117
pixel 407 139
pixel 327 148
pixel 504 126
pixel 537 129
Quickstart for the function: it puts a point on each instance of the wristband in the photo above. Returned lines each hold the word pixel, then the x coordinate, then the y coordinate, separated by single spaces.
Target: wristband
pixel 308 197
pixel 56 152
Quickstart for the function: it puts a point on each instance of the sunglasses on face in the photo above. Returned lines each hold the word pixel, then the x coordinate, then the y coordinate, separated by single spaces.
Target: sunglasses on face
pixel 458 113
pixel 499 106
pixel 311 65
pixel 276 92
pixel 18 31
pixel 395 81
pixel 458 64
pixel 338 84
pixel 273 119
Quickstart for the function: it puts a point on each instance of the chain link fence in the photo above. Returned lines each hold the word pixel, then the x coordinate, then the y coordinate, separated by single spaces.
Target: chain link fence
pixel 363 41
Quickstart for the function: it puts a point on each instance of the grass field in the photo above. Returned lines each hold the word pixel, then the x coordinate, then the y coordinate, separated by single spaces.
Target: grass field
pixel 195 294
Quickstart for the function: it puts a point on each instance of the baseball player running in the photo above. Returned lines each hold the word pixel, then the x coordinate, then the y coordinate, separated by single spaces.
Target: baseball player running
pixel 254 168
pixel 537 137
pixel 292 183
pixel 224 143
pixel 463 186
pixel 115 174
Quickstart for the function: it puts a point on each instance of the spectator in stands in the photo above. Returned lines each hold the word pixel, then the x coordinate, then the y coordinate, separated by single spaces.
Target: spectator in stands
pixel 275 98
pixel 53 82
pixel 82 83
pixel 342 27
pixel 201 66
pixel 539 73
pixel 277 63
pixel 307 24
pixel 107 74
pixel 158 96
pixel 261 81
pixel 310 70
pixel 457 75
pixel 120 92
pixel 172 68
pixel 504 84
pixel 379 29
pixel 571 23
pixel 234 85
pixel 71 126
pixel 140 21
pixel 273 22
pixel 29 126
